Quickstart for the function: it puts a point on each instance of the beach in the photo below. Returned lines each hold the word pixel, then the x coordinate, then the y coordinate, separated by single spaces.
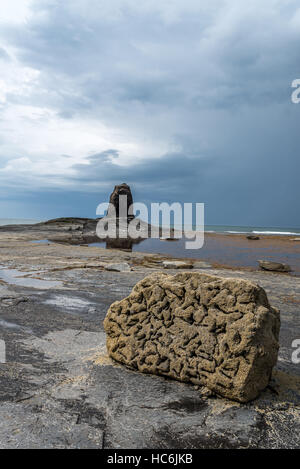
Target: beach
pixel 60 389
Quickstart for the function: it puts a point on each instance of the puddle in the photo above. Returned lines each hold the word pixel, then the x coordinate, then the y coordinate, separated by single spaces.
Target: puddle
pixel 9 325
pixel 12 325
pixel 71 303
pixel 16 277
pixel 41 241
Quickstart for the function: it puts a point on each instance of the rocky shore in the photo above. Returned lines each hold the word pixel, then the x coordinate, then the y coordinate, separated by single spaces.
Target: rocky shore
pixel 59 388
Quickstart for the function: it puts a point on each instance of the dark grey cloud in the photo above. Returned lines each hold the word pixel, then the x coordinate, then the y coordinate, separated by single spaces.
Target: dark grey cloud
pixel 224 58
pixel 205 85
pixel 258 192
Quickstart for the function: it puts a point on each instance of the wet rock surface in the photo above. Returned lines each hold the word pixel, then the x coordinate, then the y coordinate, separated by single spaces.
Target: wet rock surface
pixel 60 389
pixel 200 329
pixel 274 266
pixel 122 267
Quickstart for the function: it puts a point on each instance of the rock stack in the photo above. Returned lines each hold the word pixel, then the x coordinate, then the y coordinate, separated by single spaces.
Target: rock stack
pixel 121 192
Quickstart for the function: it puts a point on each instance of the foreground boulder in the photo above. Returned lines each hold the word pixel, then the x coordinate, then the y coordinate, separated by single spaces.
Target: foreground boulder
pixel 274 266
pixel 209 331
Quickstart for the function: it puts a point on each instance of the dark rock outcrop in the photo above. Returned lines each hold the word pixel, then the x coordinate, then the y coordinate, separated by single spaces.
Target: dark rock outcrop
pixel 121 190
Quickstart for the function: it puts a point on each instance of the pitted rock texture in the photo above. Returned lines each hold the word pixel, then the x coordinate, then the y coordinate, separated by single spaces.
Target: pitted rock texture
pixel 192 327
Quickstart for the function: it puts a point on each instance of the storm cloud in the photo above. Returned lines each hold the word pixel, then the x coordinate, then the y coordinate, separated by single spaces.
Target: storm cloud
pixel 186 101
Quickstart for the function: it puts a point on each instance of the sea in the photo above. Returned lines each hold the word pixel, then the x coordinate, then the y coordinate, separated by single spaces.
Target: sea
pixel 259 230
pixel 230 229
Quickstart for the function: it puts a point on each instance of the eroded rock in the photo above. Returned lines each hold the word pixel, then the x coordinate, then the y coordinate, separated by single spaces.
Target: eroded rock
pixel 274 266
pixel 120 267
pixel 209 331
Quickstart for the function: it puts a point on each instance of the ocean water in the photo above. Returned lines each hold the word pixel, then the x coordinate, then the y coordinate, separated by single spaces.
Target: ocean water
pixel 259 230
pixel 230 229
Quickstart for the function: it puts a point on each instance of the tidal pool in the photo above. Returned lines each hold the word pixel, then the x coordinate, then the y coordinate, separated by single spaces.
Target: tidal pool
pixel 16 277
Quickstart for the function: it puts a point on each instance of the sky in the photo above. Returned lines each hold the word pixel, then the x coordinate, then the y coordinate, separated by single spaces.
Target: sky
pixel 184 101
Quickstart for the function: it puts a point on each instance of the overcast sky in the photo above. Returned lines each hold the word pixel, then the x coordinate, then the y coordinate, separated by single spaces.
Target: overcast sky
pixel 184 100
